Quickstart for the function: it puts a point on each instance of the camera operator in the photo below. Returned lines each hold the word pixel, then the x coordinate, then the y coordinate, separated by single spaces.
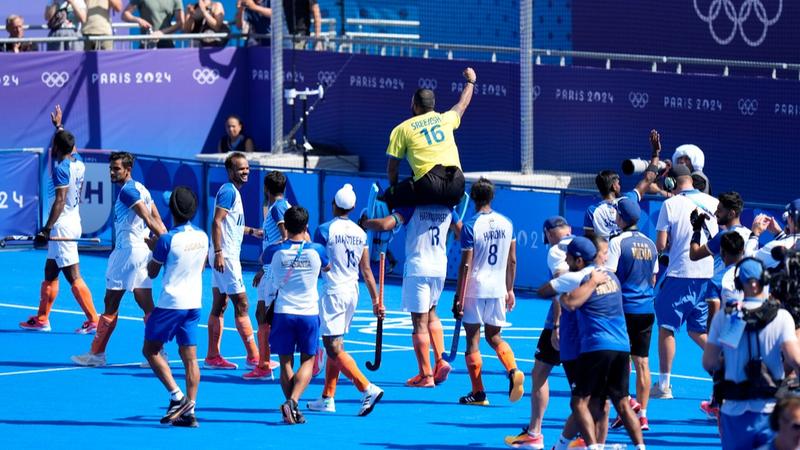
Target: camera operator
pixel 747 344
pixel 784 238
pixel 693 157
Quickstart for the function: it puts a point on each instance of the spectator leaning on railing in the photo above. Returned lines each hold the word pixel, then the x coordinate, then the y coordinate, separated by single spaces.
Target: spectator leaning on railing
pixel 64 19
pixel 254 17
pixel 98 22
pixel 156 17
pixel 15 26
pixel 298 20
pixel 206 16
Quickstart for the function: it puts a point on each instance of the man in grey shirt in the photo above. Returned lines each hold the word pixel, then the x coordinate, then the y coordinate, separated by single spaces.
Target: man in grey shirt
pixel 156 17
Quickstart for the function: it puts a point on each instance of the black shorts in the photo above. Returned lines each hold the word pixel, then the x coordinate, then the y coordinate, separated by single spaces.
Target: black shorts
pixel 545 351
pixel 603 374
pixel 571 371
pixel 440 186
pixel 640 329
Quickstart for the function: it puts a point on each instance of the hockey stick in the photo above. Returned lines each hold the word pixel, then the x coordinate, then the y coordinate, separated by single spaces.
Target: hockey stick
pixel 457 329
pixel 23 238
pixel 379 333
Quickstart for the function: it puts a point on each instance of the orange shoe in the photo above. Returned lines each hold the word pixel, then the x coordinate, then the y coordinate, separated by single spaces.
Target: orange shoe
pixel 421 381
pixel 441 372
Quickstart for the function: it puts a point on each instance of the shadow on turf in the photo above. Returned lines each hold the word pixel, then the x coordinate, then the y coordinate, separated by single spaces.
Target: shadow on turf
pixel 392 446
pixel 34 333
pixel 71 423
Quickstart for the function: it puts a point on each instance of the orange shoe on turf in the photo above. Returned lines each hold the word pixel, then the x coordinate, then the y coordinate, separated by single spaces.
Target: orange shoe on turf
pixel 34 324
pixel 441 372
pixel 421 381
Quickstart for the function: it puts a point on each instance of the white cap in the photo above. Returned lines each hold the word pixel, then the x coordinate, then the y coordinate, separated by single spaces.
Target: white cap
pixel 345 197
pixel 694 154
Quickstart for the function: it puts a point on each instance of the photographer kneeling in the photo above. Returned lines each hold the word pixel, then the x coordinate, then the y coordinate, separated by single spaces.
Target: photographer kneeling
pixel 746 343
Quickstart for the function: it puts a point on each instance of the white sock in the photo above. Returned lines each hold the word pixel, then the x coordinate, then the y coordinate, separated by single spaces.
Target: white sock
pixel 642 412
pixel 562 444
pixel 663 381
pixel 191 410
pixel 596 447
pixel 176 395
pixel 532 434
pixel 640 447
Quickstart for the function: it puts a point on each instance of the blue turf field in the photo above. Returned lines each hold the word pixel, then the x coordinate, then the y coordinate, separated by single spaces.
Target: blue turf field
pixel 50 403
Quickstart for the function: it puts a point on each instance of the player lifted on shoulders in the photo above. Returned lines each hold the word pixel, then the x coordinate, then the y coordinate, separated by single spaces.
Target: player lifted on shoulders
pixel 488 249
pixel 63 222
pixel 135 217
pixel 346 247
pixel 426 140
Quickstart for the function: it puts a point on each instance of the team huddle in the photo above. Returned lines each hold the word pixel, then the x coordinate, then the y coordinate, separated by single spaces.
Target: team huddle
pixel 607 288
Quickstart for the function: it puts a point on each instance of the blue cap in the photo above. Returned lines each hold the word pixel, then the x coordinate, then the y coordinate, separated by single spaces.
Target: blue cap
pixel 793 208
pixel 750 269
pixel 629 210
pixel 581 247
pixel 555 222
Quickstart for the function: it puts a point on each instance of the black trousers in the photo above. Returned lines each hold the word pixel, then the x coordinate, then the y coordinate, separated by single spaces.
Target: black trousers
pixel 440 186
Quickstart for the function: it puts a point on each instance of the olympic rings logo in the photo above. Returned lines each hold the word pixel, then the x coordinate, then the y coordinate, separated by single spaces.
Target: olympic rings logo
pixel 55 79
pixel 748 106
pixel 738 18
pixel 428 83
pixel 205 76
pixel 326 78
pixel 638 99
pixel 537 91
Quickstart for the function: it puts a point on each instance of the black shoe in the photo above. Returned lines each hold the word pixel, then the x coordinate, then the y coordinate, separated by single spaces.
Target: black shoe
pixel 298 416
pixel 176 408
pixel 288 412
pixel 186 420
pixel 474 398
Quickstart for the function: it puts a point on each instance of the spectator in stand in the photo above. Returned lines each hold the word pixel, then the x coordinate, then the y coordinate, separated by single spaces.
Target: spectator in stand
pixel 298 20
pixel 155 18
pixel 98 22
pixel 15 25
pixel 206 16
pixel 64 19
pixel 254 17
pixel 235 140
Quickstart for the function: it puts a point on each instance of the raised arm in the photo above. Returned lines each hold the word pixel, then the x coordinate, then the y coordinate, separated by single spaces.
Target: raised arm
pixel 649 176
pixel 466 94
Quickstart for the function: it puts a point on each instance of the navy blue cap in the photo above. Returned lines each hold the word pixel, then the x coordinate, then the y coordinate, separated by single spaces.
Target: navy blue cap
pixel 629 210
pixel 793 207
pixel 555 222
pixel 581 247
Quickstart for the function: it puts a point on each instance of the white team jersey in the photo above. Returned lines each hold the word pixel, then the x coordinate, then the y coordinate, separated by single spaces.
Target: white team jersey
pixel 229 199
pixel 344 242
pixel 728 291
pixel 295 269
pixel 69 174
pixel 570 281
pixel 557 257
pixel 131 230
pixel 674 218
pixel 489 236
pixel 183 252
pixel 765 253
pixel 426 240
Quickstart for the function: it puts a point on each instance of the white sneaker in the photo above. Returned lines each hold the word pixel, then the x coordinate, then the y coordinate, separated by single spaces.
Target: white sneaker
pixel 322 404
pixel 658 393
pixel 371 396
pixel 146 364
pixel 89 359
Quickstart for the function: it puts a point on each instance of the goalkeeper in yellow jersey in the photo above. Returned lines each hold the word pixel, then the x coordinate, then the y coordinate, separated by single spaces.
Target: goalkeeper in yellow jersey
pixel 426 141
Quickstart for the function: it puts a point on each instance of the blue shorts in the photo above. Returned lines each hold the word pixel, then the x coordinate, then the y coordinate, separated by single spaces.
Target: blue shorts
pixel 746 431
pixel 682 300
pixel 293 332
pixel 165 324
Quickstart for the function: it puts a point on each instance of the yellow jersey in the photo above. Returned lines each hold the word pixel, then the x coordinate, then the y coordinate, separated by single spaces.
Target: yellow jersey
pixel 425 141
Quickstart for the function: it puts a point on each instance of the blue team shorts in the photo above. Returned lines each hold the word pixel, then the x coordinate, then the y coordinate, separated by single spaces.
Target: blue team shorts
pixel 163 325
pixel 682 300
pixel 293 332
pixel 746 431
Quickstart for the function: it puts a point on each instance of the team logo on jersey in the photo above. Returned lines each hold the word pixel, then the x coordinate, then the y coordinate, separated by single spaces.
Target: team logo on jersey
pixel 205 76
pixel 748 106
pixel 428 83
pixel 638 99
pixel 723 15
pixel 55 79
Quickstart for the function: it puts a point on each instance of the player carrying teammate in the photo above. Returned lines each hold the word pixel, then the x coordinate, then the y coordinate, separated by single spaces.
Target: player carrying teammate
pixel 227 231
pixel 135 217
pixel 63 222
pixel 346 247
pixel 489 250
pixel 423 280
pixel 426 140
pixel 182 252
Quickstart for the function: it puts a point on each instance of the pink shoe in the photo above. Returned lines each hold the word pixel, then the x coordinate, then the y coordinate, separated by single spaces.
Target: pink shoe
pixel 319 362
pixel 273 364
pixel 88 327
pixel 251 363
pixel 712 411
pixel 644 424
pixel 219 363
pixel 421 381
pixel 258 374
pixel 443 369
pixel 34 324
